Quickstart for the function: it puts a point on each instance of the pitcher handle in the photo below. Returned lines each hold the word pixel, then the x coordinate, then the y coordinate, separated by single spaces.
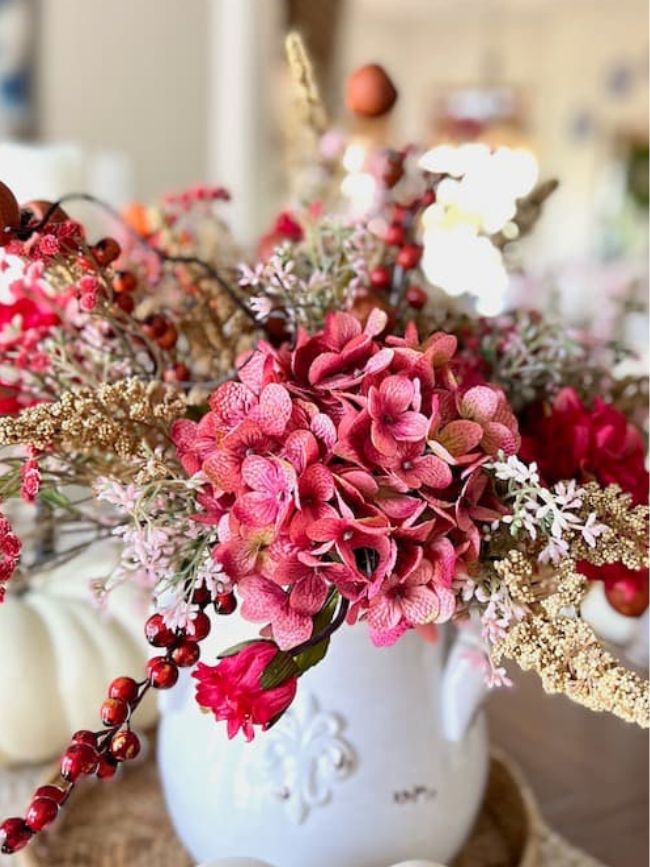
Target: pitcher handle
pixel 463 683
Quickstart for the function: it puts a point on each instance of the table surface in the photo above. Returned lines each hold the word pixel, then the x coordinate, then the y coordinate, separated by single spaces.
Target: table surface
pixel 588 771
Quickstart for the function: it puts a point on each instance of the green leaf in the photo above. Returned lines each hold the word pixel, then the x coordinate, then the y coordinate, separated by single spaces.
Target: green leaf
pixel 279 669
pixel 312 656
pixel 52 497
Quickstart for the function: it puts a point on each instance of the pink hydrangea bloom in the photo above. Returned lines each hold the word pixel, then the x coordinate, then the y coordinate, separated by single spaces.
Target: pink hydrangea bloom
pixel 349 464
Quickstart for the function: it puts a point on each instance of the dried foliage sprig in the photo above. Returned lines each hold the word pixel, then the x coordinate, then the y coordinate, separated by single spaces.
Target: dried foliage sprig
pixel 564 650
pixel 302 73
pixel 551 638
pixel 113 418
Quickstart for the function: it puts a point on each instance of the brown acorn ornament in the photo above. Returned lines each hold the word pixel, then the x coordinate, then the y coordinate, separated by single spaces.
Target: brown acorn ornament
pixel 38 208
pixel 369 91
pixel 9 214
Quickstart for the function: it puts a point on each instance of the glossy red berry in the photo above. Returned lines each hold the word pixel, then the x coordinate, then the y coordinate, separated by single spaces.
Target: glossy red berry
pixel 154 326
pixel 186 654
pixel 14 835
pixel 395 235
pixel 107 767
pixel 409 256
pixel 380 277
pixel 162 672
pixel 78 760
pixel 631 602
pixel 177 373
pixel 157 633
pixel 54 793
pixel 168 338
pixel 126 303
pixel 114 712
pixel 125 688
pixel 394 171
pixel 106 251
pixel 124 281
pixel 199 627
pixel 125 745
pixel 416 297
pixel 41 813
pixel 85 737
pixel 201 596
pixel 226 603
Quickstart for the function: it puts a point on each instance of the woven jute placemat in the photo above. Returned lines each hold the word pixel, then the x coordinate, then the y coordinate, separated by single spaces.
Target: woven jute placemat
pixel 125 824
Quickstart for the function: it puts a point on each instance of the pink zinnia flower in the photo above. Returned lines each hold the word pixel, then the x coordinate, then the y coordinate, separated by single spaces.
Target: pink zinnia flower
pixel 232 691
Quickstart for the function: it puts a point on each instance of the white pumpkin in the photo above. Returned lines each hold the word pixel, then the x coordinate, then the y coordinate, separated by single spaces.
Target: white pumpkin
pixel 58 654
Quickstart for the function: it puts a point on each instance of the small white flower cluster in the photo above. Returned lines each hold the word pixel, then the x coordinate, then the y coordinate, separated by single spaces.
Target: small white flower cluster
pixel 541 511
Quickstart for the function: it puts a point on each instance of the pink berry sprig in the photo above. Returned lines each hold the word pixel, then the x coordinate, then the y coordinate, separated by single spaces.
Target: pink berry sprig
pixel 100 753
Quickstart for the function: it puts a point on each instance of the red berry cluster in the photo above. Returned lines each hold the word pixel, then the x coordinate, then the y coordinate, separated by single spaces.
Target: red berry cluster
pixel 100 753
pixel 158 328
pixel 405 253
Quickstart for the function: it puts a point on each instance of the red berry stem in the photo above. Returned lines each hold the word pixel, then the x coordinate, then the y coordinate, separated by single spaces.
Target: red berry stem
pixel 100 753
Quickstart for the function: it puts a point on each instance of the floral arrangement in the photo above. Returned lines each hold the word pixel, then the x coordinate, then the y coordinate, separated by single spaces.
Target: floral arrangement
pixel 80 317
pixel 317 444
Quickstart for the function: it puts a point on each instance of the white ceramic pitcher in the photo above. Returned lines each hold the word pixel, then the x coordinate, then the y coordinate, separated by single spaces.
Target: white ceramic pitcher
pixel 380 759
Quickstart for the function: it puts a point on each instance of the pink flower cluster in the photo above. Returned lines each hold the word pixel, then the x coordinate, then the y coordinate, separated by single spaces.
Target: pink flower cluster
pixel 30 476
pixel 233 692
pixel 352 462
pixel 10 548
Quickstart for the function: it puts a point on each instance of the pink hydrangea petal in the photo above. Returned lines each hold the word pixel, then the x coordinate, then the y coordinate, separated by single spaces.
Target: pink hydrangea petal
pixel 232 401
pixel 376 322
pixel 183 433
pixel 447 601
pixel 379 361
pixel 301 449
pixel 444 562
pixel 339 329
pixel 410 427
pixel 309 594
pixel 423 574
pixel 364 483
pixel 383 439
pixel 461 436
pixel 262 599
pixel 433 471
pixel 324 429
pixel 274 409
pixel 251 368
pixel 327 364
pixel 389 638
pixel 291 628
pixel 256 509
pixel 396 395
pixel 399 507
pixel 421 605
pixel 479 403
pixel 384 613
pixel 223 469
pixel 441 347
pixel 317 482
pixel 497 437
